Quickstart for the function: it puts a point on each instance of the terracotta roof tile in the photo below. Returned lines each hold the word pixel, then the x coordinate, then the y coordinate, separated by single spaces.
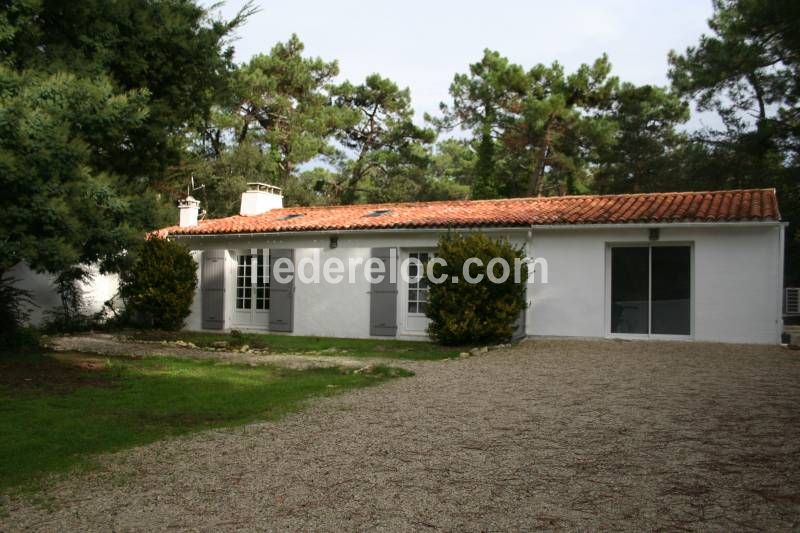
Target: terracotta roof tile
pixel 716 206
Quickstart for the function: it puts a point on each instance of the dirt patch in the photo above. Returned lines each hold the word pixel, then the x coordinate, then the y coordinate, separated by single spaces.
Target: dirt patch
pixel 105 344
pixel 60 375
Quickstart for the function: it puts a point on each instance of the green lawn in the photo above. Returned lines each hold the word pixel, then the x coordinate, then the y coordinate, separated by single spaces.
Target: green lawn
pixel 58 412
pixel 388 348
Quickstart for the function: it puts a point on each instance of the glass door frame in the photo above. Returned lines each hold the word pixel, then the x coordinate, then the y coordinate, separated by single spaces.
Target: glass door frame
pixel 250 318
pixel 410 323
pixel 607 301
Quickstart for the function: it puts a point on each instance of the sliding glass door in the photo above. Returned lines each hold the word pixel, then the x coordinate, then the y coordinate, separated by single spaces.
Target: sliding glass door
pixel 651 290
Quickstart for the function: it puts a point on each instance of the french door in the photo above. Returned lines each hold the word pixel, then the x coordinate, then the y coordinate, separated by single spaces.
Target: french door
pixel 415 298
pixel 651 290
pixel 251 305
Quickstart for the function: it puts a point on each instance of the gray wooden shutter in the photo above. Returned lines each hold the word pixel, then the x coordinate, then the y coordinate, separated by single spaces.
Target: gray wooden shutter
pixel 281 295
pixel 383 299
pixel 213 283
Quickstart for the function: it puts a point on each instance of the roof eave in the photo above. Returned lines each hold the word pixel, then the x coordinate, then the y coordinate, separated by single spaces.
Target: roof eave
pixel 505 228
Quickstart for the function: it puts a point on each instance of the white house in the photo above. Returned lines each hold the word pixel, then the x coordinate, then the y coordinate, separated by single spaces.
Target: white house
pixel 702 266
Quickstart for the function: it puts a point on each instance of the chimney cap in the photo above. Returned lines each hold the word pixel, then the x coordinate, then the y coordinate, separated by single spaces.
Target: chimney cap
pixel 189 201
pixel 263 187
pixel 260 198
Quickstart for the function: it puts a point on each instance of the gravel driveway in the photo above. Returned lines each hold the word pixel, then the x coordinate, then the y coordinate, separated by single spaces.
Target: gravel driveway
pixel 549 434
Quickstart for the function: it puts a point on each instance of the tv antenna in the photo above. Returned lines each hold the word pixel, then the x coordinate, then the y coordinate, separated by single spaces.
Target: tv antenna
pixel 191 187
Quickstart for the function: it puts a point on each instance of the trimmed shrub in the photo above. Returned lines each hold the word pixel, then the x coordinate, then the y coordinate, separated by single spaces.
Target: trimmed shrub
pixel 158 288
pixel 481 313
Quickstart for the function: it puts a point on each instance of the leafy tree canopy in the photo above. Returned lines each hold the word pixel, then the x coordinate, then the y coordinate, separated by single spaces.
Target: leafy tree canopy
pixel 56 209
pixel 543 131
pixel 171 50
pixel 387 145
pixel 287 122
pixel 748 71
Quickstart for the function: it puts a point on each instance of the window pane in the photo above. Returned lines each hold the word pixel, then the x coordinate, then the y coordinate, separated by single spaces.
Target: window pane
pixel 423 307
pixel 412 307
pixel 412 296
pixel 629 289
pixel 671 290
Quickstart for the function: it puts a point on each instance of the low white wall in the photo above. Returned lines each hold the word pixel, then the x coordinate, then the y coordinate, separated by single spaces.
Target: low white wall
pixel 101 288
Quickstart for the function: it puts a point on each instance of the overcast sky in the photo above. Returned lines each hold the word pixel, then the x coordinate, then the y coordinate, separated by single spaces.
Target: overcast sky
pixel 422 44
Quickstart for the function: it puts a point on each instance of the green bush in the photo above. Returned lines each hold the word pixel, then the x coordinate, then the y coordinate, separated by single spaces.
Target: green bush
pixel 484 312
pixel 158 288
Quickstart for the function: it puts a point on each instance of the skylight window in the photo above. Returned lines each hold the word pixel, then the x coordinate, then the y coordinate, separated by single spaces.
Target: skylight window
pixel 378 213
pixel 291 216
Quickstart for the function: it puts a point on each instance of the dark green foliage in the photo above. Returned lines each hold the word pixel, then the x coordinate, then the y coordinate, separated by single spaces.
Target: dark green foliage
pixel 159 288
pixel 748 71
pixel 484 312
pixel 14 304
pixel 647 154
pixel 287 122
pixel 279 115
pixel 484 185
pixel 95 101
pixel 391 152
pixel 548 132
pixel 56 210
pixel 172 49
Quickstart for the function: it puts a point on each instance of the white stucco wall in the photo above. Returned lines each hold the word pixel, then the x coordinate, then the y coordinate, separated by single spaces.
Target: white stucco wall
pixel 322 309
pixel 736 270
pixel 737 275
pixel 737 280
pixel 96 292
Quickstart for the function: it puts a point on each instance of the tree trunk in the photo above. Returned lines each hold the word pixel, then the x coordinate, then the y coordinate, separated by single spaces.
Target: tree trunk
pixel 536 183
pixel 759 90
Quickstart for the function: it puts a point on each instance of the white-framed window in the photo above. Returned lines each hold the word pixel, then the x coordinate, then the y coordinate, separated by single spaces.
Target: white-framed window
pixel 252 287
pixel 418 286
